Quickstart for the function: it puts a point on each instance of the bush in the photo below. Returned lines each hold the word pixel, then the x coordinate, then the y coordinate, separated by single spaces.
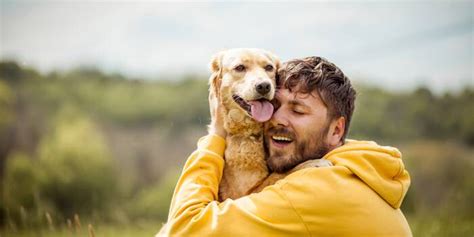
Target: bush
pixel 20 189
pixel 153 202
pixel 78 172
pixel 6 106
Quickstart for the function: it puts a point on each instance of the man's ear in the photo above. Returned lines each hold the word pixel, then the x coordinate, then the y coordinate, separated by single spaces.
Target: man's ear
pixel 336 132
pixel 216 78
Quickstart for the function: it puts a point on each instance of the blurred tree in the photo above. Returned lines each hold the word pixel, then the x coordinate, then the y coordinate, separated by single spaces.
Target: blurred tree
pixel 21 186
pixel 11 71
pixel 383 115
pixel 153 202
pixel 441 178
pixel 6 106
pixel 79 174
pixel 465 114
pixel 7 119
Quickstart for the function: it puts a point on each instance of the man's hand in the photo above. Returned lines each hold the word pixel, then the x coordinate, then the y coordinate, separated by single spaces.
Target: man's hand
pixel 217 117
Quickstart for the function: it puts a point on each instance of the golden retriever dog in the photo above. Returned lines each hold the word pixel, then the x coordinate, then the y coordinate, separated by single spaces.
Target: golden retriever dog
pixel 244 82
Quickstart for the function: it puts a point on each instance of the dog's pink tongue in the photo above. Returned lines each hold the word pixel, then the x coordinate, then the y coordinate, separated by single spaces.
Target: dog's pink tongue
pixel 261 110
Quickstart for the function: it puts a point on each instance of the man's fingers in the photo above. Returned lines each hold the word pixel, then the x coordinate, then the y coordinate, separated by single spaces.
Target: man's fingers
pixel 217 114
pixel 214 105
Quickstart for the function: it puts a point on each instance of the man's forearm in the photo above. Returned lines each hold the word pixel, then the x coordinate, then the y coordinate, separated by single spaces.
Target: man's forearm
pixel 195 210
pixel 199 182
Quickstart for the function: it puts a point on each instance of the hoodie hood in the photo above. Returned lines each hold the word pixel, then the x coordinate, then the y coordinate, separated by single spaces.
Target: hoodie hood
pixel 380 167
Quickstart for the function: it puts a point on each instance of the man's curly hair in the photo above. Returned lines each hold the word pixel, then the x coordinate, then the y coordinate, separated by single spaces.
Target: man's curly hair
pixel 318 74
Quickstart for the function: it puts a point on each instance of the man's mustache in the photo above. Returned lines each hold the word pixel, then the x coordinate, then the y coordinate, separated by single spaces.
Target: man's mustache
pixel 281 131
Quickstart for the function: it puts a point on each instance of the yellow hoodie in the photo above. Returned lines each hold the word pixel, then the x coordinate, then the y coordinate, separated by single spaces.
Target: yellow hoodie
pixel 359 196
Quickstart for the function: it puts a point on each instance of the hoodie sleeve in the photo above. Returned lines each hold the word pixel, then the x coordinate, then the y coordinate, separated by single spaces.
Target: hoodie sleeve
pixel 195 211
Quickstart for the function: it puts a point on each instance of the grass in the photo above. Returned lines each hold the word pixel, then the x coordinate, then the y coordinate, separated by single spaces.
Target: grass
pixel 421 226
pixel 142 229
pixel 429 225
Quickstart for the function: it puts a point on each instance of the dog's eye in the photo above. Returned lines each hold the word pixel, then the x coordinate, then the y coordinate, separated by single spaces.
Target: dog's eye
pixel 240 68
pixel 269 68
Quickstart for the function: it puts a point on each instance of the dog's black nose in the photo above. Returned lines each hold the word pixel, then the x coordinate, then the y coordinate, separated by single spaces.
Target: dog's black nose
pixel 263 88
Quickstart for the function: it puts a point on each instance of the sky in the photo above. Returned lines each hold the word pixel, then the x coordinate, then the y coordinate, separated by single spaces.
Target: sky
pixel 393 44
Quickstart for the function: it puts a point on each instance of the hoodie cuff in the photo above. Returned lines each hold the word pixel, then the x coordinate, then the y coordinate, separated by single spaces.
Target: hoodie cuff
pixel 213 143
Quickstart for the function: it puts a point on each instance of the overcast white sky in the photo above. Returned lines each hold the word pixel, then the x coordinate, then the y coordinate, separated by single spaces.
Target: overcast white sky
pixel 395 44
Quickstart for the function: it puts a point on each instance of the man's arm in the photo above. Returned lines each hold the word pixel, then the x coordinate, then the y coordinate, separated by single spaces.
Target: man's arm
pixel 195 211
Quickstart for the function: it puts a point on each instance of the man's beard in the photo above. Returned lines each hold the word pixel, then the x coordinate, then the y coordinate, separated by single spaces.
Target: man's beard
pixel 313 147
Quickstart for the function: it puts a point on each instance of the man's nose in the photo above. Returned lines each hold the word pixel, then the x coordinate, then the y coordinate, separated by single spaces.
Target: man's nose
pixel 279 118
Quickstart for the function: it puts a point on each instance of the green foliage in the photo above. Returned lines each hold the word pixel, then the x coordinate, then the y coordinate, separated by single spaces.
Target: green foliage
pixel 21 182
pixel 123 101
pixel 141 102
pixel 153 202
pixel 74 173
pixel 442 178
pixel 78 172
pixel 6 105
pixel 382 115
pixel 13 73
pixel 140 229
pixel 447 226
pixel 21 198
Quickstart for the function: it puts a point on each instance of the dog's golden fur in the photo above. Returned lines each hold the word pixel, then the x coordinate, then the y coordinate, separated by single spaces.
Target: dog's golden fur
pixel 245 166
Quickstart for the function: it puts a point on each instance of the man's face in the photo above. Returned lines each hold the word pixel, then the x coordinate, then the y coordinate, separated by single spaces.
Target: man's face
pixel 297 131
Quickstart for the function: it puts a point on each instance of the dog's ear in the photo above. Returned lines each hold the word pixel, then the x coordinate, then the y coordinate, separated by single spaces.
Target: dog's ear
pixel 216 62
pixel 274 59
pixel 277 62
pixel 216 78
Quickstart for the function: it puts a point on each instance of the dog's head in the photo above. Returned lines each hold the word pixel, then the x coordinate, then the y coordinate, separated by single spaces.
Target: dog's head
pixel 244 79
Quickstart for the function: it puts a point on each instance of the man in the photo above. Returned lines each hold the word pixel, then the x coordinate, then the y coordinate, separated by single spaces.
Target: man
pixel 359 195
